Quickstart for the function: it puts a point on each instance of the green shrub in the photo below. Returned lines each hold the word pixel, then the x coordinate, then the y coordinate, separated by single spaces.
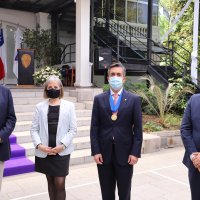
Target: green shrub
pixel 152 127
pixel 178 85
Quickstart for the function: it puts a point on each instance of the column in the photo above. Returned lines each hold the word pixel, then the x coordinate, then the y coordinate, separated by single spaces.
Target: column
pixel 83 69
pixel 43 20
pixel 194 55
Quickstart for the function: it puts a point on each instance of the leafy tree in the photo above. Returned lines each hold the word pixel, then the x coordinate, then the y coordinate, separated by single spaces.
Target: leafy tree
pixel 183 30
pixel 45 52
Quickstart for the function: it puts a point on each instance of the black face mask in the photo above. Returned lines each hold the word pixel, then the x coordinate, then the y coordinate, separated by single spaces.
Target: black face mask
pixel 53 93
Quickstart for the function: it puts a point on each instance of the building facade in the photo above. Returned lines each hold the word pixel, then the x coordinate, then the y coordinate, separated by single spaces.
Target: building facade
pixel 74 23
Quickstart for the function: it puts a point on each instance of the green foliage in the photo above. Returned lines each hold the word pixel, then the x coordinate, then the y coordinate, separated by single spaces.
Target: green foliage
pixel 41 75
pixel 45 52
pixel 173 120
pixel 178 85
pixel 183 31
pixel 152 127
pixel 162 99
pixel 106 87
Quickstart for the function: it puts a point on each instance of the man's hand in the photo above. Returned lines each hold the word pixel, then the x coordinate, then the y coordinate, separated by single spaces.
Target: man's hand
pixel 196 159
pixel 132 160
pixel 98 159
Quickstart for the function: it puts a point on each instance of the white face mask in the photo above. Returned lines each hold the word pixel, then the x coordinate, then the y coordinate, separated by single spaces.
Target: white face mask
pixel 115 82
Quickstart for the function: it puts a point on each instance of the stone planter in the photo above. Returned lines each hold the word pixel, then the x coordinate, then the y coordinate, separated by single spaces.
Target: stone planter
pixel 154 141
pixel 169 138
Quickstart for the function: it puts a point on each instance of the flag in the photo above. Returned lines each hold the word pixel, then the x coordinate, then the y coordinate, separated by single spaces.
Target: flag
pixel 18 37
pixel 2 71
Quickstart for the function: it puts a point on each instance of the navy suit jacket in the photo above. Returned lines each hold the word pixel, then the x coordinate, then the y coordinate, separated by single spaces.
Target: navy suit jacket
pixel 7 121
pixel 126 130
pixel 190 129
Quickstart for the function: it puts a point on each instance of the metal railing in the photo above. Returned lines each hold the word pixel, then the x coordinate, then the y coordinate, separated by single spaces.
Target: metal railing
pixel 68 54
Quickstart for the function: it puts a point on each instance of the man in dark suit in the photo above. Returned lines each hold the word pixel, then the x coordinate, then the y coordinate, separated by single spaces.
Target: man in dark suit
pixel 190 133
pixel 7 124
pixel 116 135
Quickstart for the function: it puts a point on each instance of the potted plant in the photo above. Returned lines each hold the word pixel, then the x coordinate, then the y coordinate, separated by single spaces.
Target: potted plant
pixel 41 75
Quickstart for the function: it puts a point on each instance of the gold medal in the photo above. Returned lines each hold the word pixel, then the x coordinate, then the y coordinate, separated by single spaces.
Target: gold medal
pixel 114 117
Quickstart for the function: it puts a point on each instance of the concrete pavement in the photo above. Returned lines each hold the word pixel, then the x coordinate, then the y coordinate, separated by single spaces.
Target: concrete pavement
pixel 157 176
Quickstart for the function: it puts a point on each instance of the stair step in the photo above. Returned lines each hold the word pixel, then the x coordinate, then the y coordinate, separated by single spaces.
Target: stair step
pixel 28 116
pixel 17 151
pixel 18 165
pixel 12 139
pixel 79 143
pixel 77 157
pixel 28 93
pixel 22 126
pixel 24 136
pixel 88 104
pixel 34 101
pixel 31 108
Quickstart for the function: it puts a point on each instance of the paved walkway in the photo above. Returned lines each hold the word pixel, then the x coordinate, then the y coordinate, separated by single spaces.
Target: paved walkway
pixel 157 176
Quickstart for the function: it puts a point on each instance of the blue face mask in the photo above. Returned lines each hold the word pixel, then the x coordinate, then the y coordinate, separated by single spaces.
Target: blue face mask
pixel 115 82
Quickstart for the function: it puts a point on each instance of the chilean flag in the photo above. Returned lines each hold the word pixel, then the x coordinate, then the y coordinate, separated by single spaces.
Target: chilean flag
pixel 2 71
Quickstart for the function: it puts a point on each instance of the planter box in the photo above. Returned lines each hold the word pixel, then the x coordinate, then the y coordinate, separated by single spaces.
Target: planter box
pixel 151 143
pixel 169 138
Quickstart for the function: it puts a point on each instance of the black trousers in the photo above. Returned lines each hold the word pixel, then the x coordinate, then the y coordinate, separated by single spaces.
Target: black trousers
pixel 112 174
pixel 194 179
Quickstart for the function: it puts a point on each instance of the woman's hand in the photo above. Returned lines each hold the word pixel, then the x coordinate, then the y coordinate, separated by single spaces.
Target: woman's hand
pixel 57 149
pixel 45 149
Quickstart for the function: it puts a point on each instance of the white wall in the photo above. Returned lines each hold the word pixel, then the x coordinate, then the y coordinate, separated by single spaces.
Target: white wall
pixel 21 18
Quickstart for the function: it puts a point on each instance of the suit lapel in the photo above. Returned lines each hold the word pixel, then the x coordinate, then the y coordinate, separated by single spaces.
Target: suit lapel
pixel 107 103
pixel 45 111
pixel 61 114
pixel 124 101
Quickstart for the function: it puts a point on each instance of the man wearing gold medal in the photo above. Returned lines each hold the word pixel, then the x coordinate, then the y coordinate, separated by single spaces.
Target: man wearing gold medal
pixel 116 135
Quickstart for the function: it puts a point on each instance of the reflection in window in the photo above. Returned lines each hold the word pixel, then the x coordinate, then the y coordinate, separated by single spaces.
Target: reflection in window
pixel 120 9
pixel 142 13
pixel 155 16
pixel 132 12
pixel 135 11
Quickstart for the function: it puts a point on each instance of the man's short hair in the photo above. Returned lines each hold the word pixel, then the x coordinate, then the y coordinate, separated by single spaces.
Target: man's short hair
pixel 118 64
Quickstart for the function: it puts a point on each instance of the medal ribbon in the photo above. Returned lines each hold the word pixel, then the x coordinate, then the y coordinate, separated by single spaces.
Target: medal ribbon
pixel 114 107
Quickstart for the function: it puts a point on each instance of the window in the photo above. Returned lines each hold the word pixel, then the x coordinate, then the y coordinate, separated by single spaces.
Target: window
pixel 120 9
pixel 137 11
pixel 142 13
pixel 132 12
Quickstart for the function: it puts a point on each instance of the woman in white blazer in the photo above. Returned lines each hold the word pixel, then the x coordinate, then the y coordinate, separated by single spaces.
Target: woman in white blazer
pixel 52 131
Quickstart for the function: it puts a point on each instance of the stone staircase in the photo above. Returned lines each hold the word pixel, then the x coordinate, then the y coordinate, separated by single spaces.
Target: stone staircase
pixel 22 159
pixel 21 143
